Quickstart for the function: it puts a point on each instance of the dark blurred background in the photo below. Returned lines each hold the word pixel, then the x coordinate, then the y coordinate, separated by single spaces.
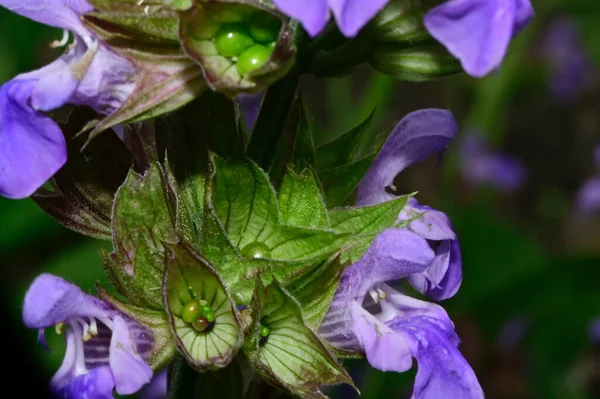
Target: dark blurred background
pixel 531 288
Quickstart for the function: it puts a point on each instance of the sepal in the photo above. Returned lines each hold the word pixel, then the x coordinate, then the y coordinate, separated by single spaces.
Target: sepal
pixel 84 189
pixel 142 220
pixel 241 45
pixel 285 351
pixel 203 317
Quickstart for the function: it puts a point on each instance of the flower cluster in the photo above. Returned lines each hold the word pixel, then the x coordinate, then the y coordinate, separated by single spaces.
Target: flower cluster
pixel 237 248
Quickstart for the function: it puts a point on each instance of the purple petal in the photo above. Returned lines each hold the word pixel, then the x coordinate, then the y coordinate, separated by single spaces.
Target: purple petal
pixel 97 384
pixel 443 277
pixel 62 14
pixel 352 15
pixel 417 136
pixel 157 388
pixel 431 224
pixel 385 349
pixel 32 146
pixel 50 300
pixel 478 32
pixel 394 254
pixel 313 14
pixel 129 369
pixel 442 371
pixel 587 199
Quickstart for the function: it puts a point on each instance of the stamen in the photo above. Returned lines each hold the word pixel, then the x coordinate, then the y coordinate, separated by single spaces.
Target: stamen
pixel 62 42
pixel 375 295
pixel 381 294
pixel 58 327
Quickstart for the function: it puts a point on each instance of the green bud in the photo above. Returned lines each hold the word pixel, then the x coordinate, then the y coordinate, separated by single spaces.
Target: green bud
pixel 201 324
pixel 210 316
pixel 240 56
pixel 256 250
pixel 264 331
pixel 191 311
pixel 414 64
pixel 232 39
pixel 252 59
pixel 401 22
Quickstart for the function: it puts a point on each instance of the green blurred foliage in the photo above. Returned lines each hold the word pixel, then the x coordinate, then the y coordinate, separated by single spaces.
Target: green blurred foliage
pixel 522 254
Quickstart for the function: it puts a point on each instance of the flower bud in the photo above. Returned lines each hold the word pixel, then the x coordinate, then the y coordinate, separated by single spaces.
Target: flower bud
pixel 414 64
pixel 241 46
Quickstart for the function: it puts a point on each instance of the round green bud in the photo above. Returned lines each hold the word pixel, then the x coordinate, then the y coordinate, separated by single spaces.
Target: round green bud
pixel 205 308
pixel 256 250
pixel 263 27
pixel 210 316
pixel 271 46
pixel 191 311
pixel 232 39
pixel 264 331
pixel 252 58
pixel 201 324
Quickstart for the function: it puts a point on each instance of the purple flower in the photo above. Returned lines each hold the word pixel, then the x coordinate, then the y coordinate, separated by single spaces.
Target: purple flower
pixel 391 328
pixel 478 32
pixel 416 137
pixel 570 68
pixel 587 199
pixel 105 349
pixel 350 15
pixel 594 330
pixel 480 166
pixel 32 146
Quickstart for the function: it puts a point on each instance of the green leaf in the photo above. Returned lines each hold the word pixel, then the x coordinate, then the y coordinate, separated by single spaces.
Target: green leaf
pixel 246 205
pixel 142 222
pixel 303 153
pixel 315 290
pixel 345 149
pixel 340 183
pixel 290 355
pixel 190 279
pixel 368 219
pixel 300 201
pixel 186 136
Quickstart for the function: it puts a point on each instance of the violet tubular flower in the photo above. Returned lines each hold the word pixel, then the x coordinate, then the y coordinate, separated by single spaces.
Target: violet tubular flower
pixel 416 137
pixel 32 146
pixel 369 316
pixel 350 15
pixel 391 328
pixel 481 166
pixel 478 32
pixel 105 349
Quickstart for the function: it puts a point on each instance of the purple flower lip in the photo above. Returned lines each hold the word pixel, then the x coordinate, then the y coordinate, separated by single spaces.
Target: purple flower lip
pixel 32 146
pixel 105 349
pixel 367 315
pixel 478 32
pixel 350 15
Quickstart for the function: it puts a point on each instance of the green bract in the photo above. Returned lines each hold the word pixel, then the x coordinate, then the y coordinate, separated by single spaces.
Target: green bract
pixel 213 257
